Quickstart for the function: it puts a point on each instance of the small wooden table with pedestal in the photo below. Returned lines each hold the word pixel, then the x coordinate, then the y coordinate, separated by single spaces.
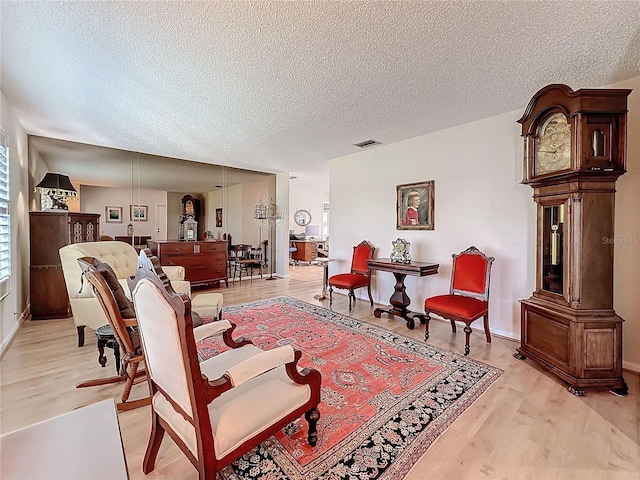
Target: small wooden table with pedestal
pixel 324 261
pixel 400 301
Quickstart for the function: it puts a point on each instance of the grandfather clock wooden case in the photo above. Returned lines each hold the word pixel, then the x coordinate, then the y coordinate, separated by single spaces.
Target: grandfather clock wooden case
pixel 574 151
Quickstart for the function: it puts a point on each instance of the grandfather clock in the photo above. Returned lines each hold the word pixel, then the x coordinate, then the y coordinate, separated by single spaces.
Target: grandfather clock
pixel 574 151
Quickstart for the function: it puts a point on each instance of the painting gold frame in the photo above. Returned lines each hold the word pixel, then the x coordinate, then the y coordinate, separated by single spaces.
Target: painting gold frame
pixel 413 214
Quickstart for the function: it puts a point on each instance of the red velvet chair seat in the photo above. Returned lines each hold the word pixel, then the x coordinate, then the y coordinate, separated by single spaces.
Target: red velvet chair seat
pixel 349 280
pixel 457 305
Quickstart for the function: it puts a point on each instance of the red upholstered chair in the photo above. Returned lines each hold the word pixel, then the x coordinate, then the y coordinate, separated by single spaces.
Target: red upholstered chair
pixel 468 297
pixel 359 275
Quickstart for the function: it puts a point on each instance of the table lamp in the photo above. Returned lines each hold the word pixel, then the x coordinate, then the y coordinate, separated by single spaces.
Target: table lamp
pixel 54 190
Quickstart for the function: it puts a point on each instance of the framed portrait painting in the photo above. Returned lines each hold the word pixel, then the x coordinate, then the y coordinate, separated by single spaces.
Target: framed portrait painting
pixel 415 206
pixel 113 214
pixel 139 213
pixel 218 217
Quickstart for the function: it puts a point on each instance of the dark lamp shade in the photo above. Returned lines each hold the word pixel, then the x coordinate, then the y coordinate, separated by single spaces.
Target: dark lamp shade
pixel 57 184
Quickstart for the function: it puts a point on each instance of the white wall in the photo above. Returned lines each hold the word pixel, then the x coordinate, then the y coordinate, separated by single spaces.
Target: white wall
pixel 626 251
pixel 14 304
pixel 95 199
pixel 307 193
pixel 237 202
pixel 479 201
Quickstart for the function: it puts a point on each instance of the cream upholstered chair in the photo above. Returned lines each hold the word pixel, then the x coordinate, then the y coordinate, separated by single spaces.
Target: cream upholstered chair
pixel 123 259
pixel 216 410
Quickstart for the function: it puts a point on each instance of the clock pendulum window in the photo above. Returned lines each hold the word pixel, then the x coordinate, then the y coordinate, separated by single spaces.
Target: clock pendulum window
pixel 574 151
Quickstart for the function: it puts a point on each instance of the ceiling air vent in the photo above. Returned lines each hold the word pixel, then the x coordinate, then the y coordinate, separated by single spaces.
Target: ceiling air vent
pixel 367 143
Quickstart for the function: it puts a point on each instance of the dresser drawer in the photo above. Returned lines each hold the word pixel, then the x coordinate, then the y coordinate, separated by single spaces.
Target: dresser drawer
pixel 188 260
pixel 211 247
pixel 204 274
pixel 183 248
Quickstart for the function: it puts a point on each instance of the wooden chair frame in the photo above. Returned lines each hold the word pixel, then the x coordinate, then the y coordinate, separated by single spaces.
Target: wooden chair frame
pixel 203 391
pixel 481 296
pixel 130 373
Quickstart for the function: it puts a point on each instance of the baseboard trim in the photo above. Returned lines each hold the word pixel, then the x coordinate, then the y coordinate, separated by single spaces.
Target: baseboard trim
pixel 631 367
pixel 4 347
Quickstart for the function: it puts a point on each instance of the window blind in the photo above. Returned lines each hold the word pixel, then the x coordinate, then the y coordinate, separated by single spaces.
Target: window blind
pixel 5 245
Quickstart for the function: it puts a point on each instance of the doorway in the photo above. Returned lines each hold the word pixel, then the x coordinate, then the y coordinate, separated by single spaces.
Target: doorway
pixel 160 228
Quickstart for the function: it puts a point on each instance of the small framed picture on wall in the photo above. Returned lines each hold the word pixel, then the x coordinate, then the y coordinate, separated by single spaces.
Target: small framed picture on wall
pixel 113 214
pixel 139 213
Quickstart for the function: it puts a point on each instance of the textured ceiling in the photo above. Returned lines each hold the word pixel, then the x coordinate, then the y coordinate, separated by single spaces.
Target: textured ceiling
pixel 285 86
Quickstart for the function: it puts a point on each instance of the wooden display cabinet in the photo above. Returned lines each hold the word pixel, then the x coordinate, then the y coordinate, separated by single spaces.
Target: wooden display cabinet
pixel 48 232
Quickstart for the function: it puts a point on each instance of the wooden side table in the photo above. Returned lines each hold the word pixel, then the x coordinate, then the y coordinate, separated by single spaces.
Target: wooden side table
pixel 400 301
pixel 106 338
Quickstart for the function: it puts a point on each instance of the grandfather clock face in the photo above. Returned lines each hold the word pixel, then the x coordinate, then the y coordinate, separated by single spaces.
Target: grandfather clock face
pixel 553 145
pixel 188 208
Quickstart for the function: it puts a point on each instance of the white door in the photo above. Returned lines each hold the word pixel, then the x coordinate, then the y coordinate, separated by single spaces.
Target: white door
pixel 160 231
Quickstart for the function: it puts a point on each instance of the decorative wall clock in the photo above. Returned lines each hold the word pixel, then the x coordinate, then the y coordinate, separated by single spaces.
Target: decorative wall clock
pixel 302 217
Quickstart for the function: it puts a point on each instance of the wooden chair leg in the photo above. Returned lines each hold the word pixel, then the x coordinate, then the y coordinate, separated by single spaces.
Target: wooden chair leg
pixel 330 295
pixel 131 375
pixel 155 439
pixel 427 317
pixel 351 296
pixel 133 404
pixel 453 326
pixel 101 381
pixel 369 291
pixel 80 330
pixel 312 417
pixel 467 331
pixel 487 333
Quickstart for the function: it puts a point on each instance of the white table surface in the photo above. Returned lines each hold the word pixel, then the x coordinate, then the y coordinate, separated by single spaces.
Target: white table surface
pixel 84 444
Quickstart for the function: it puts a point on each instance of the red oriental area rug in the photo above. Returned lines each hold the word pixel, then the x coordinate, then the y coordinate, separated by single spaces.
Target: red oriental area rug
pixel 385 397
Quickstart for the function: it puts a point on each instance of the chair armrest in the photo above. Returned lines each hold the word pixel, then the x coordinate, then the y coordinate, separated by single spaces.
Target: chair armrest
pixel 174 272
pixel 259 364
pixel 210 329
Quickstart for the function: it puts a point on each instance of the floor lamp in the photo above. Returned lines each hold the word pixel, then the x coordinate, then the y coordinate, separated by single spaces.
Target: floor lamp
pixel 274 218
pixel 260 216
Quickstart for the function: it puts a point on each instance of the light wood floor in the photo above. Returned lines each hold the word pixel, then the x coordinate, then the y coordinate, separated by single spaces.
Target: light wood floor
pixel 526 426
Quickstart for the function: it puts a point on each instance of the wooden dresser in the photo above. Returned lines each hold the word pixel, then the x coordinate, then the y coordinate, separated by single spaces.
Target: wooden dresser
pixel 205 262
pixel 48 232
pixel 307 250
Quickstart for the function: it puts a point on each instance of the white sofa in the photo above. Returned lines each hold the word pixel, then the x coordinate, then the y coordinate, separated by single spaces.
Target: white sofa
pixel 123 258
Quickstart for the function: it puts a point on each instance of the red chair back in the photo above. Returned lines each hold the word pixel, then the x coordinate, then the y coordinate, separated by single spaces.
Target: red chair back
pixel 471 274
pixel 361 253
